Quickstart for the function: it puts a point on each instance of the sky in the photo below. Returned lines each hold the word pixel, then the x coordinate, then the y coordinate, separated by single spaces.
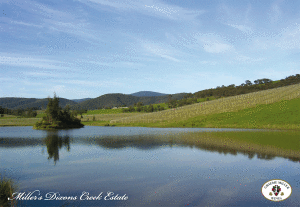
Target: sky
pixel 88 48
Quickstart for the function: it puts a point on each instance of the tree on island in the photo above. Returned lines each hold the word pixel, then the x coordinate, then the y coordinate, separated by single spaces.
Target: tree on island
pixel 56 118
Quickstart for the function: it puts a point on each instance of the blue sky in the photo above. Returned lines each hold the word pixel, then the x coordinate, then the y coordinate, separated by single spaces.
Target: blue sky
pixel 87 48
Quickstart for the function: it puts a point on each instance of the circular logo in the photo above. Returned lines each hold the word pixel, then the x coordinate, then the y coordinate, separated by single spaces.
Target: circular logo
pixel 276 190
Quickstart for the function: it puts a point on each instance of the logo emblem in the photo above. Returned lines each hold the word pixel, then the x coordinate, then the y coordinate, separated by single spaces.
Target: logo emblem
pixel 276 190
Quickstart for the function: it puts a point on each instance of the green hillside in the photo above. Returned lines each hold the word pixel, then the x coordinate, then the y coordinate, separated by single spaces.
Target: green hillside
pixel 274 108
pixel 118 100
pixel 23 103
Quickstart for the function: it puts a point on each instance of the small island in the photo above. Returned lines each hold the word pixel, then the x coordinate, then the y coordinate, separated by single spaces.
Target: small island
pixel 56 118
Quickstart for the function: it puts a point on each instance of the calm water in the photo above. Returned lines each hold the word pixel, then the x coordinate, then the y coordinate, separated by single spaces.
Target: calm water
pixel 149 166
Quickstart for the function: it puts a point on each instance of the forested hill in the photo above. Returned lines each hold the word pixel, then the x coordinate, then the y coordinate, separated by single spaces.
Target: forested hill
pixel 118 100
pixel 147 93
pixel 24 103
pixel 107 100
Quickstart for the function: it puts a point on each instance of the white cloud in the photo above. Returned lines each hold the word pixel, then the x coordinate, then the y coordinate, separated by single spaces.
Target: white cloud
pixel 211 43
pixel 149 7
pixel 117 64
pixel 41 74
pixel 247 59
pixel 31 62
pixel 159 50
pixel 204 62
pixel 289 38
pixel 26 24
pixel 242 28
pixel 217 47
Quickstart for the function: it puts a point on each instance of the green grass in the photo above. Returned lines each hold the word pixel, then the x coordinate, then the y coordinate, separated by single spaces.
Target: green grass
pixel 18 121
pixel 226 112
pixel 281 115
pixel 40 115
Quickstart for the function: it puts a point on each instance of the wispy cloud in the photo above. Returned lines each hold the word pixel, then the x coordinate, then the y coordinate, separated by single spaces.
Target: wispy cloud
pixel 150 7
pixel 26 24
pixel 159 50
pixel 40 74
pixel 57 20
pixel 275 13
pixel 117 64
pixel 89 83
pixel 216 47
pixel 247 59
pixel 211 43
pixel 242 28
pixel 31 62
pixel 289 37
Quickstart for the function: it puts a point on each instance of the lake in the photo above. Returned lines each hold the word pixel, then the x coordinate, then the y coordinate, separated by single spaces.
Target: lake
pixel 135 166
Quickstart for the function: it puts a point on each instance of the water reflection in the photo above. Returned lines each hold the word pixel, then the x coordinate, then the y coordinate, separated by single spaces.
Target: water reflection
pixel 54 143
pixel 151 143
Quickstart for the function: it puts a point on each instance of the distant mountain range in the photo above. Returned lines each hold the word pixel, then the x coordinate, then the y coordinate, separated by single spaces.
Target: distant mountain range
pixel 111 100
pixel 80 100
pixel 148 93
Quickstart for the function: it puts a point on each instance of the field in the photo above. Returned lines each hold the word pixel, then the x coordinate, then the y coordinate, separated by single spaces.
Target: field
pixel 253 110
pixel 270 109
pixel 14 121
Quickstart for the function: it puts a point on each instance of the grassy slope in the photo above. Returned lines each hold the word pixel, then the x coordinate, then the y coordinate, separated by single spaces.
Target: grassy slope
pixel 281 115
pixel 244 111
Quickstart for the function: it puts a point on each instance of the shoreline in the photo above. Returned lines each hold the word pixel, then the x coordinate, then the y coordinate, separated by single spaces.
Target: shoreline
pixel 94 123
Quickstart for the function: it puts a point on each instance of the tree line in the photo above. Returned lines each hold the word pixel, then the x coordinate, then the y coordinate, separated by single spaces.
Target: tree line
pixel 27 113
pixel 247 87
pixel 139 107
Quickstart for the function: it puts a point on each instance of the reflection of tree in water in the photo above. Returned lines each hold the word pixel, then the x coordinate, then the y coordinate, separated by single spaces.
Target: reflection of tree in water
pixel 54 143
pixel 140 142
pixel 265 157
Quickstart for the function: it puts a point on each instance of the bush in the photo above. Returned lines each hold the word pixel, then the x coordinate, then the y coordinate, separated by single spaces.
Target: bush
pixel 7 188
